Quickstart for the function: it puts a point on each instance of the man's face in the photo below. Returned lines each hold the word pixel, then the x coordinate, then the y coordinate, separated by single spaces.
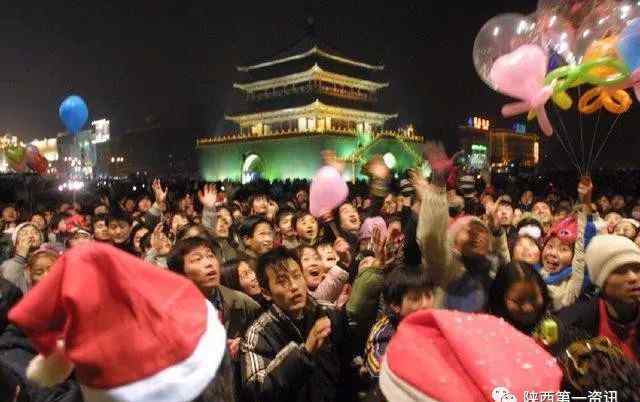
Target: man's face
pixel 9 215
pixel 259 205
pixel 262 239
pixel 415 300
pixel 542 210
pixel 307 227
pixel 39 221
pixel 328 256
pixel 186 204
pixel 119 231
pixel 284 224
pixel 287 288
pixel 101 231
pixel 349 218
pixel 623 285
pixel 312 268
pixel 556 255
pixel 144 205
pixel 604 204
pixel 203 268
pixel 504 214
pixel 40 268
pixel 223 223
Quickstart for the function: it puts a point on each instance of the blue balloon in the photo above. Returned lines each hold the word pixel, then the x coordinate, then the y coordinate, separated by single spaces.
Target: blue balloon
pixel 73 113
pixel 629 45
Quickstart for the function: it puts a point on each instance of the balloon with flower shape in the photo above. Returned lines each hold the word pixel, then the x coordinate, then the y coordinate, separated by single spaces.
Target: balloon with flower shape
pixel 565 44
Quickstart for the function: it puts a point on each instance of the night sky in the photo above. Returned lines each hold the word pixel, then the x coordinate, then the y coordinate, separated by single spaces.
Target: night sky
pixel 173 62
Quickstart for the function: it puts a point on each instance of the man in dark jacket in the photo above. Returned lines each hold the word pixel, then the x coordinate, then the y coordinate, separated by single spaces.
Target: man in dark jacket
pixel 614 266
pixel 293 351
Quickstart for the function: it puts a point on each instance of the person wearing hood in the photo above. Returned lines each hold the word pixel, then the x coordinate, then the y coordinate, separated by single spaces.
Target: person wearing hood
pixel 26 239
pixel 462 258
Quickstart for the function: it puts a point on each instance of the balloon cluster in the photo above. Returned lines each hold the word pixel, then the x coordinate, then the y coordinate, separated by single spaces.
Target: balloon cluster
pixel 20 158
pixel 563 45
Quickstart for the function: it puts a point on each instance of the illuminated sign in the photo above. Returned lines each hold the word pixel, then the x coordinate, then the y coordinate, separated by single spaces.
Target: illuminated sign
pixel 520 128
pixel 478 148
pixel 479 123
pixel 101 131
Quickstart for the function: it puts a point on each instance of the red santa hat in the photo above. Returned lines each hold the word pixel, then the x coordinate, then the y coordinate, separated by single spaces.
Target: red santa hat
pixel 450 356
pixel 566 230
pixel 131 331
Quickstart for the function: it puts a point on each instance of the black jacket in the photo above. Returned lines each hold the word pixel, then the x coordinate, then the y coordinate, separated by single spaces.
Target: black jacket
pixel 277 367
pixel 579 321
pixel 9 296
pixel 16 351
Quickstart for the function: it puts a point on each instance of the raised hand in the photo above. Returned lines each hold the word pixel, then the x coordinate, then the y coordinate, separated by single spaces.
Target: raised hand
pixel 208 196
pixel 159 192
pixel 318 335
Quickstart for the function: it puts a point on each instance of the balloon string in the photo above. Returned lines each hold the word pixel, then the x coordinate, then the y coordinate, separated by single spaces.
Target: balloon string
pixel 568 145
pixel 606 137
pixel 593 142
pixel 583 165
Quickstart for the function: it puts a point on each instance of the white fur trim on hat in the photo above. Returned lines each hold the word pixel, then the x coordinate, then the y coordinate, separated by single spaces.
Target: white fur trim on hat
pixel 182 382
pixel 51 370
pixel 606 253
pixel 633 222
pixel 395 389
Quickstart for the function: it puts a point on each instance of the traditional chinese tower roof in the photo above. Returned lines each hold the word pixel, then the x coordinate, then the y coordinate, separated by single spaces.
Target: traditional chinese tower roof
pixel 310 79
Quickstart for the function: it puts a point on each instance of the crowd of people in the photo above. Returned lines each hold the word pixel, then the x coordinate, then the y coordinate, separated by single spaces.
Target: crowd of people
pixel 413 288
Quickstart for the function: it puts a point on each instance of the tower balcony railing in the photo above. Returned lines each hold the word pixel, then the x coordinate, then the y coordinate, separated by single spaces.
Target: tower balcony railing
pixel 314 88
pixel 403 135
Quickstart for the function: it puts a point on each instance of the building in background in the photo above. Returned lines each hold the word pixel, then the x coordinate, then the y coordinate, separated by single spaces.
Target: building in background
pixel 495 149
pixel 298 103
pixel 78 155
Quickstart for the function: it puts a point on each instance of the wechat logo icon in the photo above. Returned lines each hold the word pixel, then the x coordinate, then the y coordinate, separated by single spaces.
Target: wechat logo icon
pixel 501 394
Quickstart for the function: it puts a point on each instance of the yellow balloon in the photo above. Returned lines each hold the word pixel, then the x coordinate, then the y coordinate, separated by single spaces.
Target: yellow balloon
pixel 607 47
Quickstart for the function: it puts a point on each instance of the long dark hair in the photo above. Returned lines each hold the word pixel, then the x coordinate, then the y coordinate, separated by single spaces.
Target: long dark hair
pixel 507 276
pixel 229 274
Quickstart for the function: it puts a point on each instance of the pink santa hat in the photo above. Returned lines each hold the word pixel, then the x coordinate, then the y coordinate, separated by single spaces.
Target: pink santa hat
pixel 366 229
pixel 131 331
pixel 431 358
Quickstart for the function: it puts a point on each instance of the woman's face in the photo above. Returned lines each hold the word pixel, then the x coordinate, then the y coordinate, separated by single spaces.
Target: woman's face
pixel 556 255
pixel 526 250
pixel 247 279
pixel 39 221
pixel 144 204
pixel 101 231
pixel 223 223
pixel 307 227
pixel 524 303
pixel 312 267
pixel 349 218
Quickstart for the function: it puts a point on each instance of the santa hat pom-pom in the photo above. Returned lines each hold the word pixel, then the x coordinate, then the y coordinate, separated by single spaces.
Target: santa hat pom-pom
pixel 50 370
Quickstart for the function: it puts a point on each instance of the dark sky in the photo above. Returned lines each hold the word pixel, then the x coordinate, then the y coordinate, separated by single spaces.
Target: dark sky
pixel 175 60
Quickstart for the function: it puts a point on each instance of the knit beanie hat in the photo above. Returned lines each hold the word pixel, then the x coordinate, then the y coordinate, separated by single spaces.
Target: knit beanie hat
pixel 133 332
pixel 431 359
pixel 566 230
pixel 605 253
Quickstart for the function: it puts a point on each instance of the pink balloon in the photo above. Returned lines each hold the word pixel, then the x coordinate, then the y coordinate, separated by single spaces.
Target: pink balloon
pixel 328 191
pixel 520 74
